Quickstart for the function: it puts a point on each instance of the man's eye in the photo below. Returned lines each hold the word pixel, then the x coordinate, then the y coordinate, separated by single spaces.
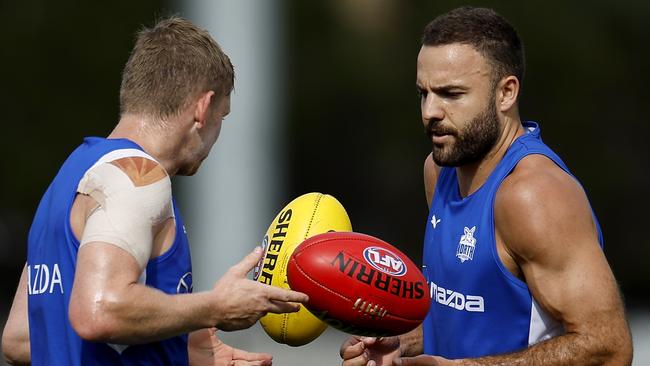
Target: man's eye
pixel 422 94
pixel 451 95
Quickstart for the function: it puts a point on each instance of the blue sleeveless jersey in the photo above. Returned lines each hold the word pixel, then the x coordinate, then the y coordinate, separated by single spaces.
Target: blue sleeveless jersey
pixel 51 259
pixel 478 307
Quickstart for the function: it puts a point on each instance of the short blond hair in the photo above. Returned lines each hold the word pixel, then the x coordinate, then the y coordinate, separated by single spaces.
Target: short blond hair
pixel 172 63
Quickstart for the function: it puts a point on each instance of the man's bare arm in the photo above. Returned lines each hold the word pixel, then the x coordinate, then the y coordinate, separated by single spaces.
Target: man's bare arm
pixel 108 305
pixel 15 337
pixel 107 302
pixel 546 224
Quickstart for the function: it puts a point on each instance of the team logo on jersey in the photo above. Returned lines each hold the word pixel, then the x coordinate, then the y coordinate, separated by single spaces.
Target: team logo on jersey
pixel 185 285
pixel 385 261
pixel 467 245
pixel 435 221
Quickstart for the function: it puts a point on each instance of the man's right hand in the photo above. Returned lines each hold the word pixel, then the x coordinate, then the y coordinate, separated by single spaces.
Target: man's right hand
pixel 370 351
pixel 242 302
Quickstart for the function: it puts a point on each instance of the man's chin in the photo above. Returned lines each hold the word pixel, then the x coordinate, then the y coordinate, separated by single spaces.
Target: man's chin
pixel 446 160
pixel 455 160
pixel 189 170
pixel 439 158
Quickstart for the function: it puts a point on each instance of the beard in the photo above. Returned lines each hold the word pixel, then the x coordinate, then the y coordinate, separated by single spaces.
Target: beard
pixel 471 143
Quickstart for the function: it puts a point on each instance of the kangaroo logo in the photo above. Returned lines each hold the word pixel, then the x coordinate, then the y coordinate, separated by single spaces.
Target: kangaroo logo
pixel 467 245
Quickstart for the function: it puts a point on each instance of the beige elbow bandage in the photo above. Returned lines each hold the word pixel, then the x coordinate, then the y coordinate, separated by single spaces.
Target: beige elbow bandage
pixel 127 214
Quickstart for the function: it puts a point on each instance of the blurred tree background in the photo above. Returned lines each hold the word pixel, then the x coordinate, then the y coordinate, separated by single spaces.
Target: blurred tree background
pixel 353 126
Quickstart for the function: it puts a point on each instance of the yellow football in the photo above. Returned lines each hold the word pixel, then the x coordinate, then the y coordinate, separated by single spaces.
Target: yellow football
pixel 305 216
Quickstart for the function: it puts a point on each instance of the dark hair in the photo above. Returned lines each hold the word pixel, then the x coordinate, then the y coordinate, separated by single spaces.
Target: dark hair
pixel 171 63
pixel 485 30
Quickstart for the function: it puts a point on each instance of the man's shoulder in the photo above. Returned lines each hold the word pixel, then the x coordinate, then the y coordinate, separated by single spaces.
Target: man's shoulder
pixel 536 200
pixel 536 177
pixel 140 170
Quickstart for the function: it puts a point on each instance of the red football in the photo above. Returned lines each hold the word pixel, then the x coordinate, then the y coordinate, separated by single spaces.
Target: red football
pixel 359 284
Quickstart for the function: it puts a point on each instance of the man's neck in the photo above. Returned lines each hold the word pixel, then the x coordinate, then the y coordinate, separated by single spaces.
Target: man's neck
pixel 155 143
pixel 472 176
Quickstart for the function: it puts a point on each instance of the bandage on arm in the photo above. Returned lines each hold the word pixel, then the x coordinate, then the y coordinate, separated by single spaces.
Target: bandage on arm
pixel 134 196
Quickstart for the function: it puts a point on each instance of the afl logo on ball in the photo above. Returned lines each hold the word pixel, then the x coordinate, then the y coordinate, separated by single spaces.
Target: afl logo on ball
pixel 385 261
pixel 185 284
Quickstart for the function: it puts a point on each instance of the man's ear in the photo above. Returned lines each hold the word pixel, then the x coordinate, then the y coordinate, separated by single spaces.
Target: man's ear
pixel 202 108
pixel 507 93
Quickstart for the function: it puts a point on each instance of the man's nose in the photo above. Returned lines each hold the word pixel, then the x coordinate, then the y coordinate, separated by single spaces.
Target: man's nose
pixel 431 108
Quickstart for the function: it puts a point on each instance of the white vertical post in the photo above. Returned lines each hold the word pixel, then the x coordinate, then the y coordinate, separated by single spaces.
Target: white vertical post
pixel 227 206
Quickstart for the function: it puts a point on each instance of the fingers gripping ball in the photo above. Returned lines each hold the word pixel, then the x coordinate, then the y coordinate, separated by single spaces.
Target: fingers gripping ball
pixel 302 218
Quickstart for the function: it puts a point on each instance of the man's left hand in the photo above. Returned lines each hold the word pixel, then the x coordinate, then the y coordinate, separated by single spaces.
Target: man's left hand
pixel 206 349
